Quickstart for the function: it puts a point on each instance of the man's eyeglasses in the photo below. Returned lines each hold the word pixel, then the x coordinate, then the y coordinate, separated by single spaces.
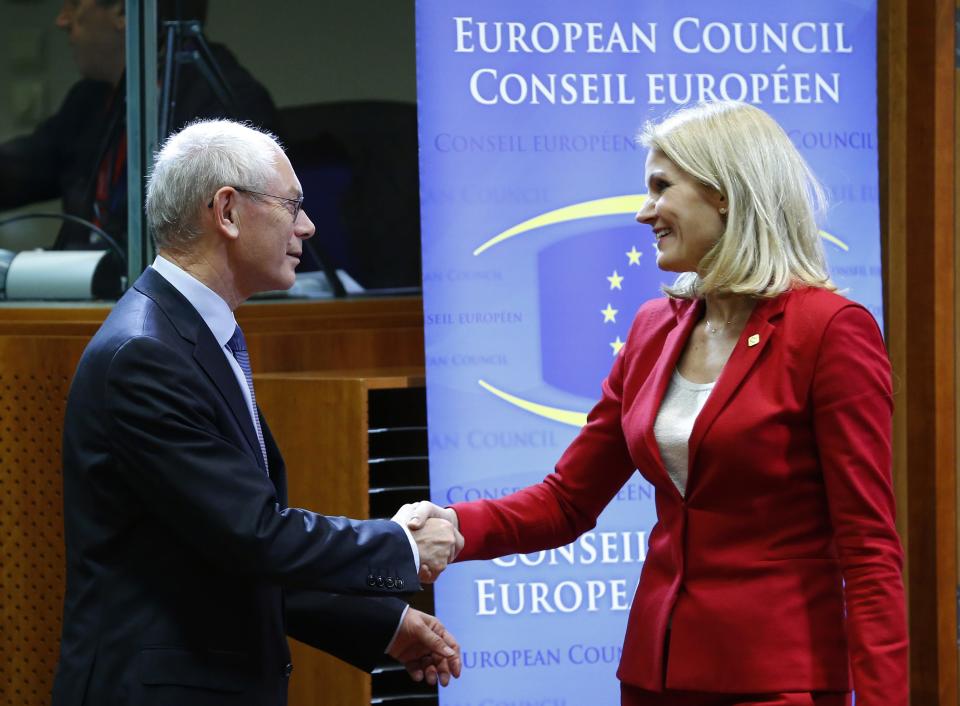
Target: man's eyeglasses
pixel 296 204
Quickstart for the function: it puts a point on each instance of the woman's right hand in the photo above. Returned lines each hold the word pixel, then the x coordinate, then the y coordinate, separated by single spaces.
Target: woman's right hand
pixel 422 511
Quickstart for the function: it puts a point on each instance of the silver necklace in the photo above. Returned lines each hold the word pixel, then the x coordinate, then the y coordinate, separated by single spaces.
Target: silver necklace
pixel 713 330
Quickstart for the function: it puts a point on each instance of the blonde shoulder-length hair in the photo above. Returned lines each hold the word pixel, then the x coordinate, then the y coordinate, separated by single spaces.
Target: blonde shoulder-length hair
pixel 771 241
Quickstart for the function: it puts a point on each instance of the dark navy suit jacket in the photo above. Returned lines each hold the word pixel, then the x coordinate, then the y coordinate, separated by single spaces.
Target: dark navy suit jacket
pixel 185 568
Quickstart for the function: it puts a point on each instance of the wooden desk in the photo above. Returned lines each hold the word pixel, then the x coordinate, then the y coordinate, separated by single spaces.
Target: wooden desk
pixel 322 421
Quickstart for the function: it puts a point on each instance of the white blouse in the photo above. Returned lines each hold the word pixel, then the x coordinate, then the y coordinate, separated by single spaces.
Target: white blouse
pixel 678 411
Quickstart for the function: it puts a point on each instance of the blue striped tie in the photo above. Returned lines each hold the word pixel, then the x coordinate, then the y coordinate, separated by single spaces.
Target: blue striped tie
pixel 238 346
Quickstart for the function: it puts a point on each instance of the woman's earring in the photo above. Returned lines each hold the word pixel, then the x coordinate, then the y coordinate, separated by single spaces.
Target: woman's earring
pixel 723 210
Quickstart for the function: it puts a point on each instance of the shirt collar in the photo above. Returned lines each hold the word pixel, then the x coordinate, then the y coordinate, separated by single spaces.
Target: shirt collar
pixel 214 311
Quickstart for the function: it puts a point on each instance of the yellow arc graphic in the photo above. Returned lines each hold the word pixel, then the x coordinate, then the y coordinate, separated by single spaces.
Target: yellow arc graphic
pixel 564 416
pixel 609 206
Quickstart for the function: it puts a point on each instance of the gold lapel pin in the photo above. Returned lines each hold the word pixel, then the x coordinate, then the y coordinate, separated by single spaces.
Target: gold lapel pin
pixel 753 340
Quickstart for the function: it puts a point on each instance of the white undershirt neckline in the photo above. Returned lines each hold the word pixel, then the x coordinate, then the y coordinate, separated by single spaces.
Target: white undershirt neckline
pixel 678 412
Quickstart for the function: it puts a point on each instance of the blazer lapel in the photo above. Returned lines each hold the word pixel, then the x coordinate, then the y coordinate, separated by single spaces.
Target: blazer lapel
pixel 206 352
pixel 751 344
pixel 656 386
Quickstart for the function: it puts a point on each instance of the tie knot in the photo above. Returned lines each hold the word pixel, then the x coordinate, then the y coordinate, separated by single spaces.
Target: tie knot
pixel 237 342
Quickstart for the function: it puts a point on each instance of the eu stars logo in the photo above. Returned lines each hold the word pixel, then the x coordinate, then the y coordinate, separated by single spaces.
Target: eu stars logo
pixel 616 282
pixel 590 285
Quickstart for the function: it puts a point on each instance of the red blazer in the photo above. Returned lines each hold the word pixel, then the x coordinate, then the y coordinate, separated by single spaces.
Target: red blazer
pixel 781 568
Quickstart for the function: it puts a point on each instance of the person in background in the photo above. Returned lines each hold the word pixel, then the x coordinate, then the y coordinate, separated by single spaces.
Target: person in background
pixel 79 153
pixel 757 402
pixel 186 569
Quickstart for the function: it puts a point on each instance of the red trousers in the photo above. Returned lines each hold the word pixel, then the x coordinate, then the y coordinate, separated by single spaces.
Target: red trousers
pixel 632 696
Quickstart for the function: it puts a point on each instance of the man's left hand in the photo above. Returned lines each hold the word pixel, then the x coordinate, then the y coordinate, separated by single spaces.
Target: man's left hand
pixel 426 649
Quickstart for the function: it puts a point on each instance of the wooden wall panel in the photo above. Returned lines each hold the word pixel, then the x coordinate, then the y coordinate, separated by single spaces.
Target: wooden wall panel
pixel 916 110
pixel 34 380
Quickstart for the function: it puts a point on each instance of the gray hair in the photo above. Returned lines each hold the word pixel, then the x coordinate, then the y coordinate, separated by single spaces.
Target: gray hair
pixel 771 241
pixel 193 164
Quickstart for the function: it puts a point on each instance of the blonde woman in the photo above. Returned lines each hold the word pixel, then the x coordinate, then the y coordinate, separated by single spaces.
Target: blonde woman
pixel 757 402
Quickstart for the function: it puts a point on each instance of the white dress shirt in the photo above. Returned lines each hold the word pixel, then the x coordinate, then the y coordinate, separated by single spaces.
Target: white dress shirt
pixel 674 423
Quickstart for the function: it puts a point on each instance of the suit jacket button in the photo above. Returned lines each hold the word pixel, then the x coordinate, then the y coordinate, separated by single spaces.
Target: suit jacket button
pixel 389 581
pixel 399 583
pixel 371 581
pixel 287 669
pixel 380 581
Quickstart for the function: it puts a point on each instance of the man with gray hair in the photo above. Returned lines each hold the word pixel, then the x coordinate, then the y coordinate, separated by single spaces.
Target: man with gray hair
pixel 185 568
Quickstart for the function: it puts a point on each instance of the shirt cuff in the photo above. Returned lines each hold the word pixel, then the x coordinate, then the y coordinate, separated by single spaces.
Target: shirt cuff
pixel 397 631
pixel 413 546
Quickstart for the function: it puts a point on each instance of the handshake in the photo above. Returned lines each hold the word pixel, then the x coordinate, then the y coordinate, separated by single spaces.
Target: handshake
pixel 436 531
pixel 422 644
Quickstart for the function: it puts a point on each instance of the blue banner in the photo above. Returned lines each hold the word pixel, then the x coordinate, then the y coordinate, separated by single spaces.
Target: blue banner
pixel 533 268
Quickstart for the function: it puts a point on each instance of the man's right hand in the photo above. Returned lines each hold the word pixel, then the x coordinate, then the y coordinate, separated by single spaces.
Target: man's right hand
pixel 438 541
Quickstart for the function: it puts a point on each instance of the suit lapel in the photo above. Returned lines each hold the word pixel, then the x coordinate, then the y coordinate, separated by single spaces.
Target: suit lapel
pixel 206 351
pixel 277 470
pixel 753 341
pixel 214 363
pixel 659 380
